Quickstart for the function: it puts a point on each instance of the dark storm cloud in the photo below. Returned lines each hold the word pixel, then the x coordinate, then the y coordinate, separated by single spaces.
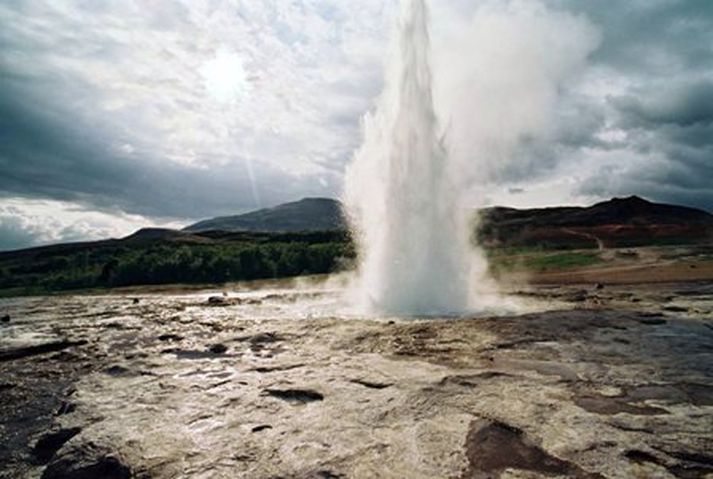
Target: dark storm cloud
pixel 684 106
pixel 674 126
pixel 651 35
pixel 663 52
pixel 47 150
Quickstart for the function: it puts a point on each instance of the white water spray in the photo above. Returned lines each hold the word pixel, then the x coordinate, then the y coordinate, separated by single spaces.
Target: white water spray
pixel 402 205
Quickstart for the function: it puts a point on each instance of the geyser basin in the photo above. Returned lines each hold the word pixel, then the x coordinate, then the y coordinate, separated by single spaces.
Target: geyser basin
pixel 293 395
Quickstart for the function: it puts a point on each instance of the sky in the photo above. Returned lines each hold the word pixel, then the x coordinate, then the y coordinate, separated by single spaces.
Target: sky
pixel 119 114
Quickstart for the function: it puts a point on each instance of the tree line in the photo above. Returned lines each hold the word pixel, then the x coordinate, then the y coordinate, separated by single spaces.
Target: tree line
pixel 167 263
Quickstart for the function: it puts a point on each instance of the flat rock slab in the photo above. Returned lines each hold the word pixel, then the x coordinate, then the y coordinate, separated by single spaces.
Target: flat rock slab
pixel 176 388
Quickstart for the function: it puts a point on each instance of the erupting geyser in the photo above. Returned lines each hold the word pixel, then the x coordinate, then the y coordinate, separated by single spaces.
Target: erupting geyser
pixel 400 200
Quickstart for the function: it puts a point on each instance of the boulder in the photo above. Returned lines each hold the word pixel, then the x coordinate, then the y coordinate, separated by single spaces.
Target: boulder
pixel 87 460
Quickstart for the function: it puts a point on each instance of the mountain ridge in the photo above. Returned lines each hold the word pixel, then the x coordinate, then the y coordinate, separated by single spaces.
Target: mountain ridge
pixel 628 210
pixel 307 214
pixel 497 225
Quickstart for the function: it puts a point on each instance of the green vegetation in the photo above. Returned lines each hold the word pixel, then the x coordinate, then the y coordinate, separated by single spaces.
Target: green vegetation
pixel 151 262
pixel 541 261
pixel 160 257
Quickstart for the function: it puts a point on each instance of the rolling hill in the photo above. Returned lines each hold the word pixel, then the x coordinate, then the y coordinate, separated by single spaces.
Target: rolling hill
pixel 615 223
pixel 307 214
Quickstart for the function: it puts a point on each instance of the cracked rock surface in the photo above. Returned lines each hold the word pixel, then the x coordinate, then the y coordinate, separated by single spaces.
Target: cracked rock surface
pixel 610 383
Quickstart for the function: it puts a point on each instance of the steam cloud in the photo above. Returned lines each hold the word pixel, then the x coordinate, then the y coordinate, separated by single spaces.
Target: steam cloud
pixel 496 83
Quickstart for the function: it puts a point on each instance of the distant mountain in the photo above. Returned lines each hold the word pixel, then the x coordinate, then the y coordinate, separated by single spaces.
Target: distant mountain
pixel 308 214
pixel 618 211
pixel 318 214
pixel 617 222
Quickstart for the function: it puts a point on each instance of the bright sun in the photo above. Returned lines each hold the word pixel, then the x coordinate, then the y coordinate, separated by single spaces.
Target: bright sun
pixel 225 77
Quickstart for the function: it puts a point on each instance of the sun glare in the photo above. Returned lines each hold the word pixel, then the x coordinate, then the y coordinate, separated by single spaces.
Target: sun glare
pixel 225 77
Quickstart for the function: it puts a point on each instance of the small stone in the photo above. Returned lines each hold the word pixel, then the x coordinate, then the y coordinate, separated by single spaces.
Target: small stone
pixel 116 370
pixel 262 338
pixel 218 349
pixel 170 337
pixel 675 309
pixel 578 296
pixel 5 318
pixel 46 447
pixel 86 460
pixel 652 321
pixel 610 391
pixel 66 408
pixel 300 396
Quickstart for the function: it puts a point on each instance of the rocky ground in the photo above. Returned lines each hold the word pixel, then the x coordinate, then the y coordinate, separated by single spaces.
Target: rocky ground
pixel 611 382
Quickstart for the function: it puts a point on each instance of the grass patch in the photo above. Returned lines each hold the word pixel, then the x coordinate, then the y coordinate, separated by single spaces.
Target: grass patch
pixel 544 261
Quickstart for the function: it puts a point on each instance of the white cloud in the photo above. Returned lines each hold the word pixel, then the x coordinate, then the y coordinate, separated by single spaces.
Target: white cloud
pixel 37 222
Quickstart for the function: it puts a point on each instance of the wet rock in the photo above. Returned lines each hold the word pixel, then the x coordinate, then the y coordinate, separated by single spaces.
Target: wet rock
pixel 326 474
pixel 652 321
pixel 190 354
pixel 471 380
pixel 170 337
pixel 117 370
pixel 45 348
pixel 66 408
pixel 86 461
pixel 371 384
pixel 599 286
pixel 5 386
pixel 136 301
pixel 5 318
pixel 578 296
pixel 694 466
pixel 272 369
pixel 46 447
pixel 217 300
pixel 262 427
pixel 605 405
pixel 675 309
pixel 264 338
pixel 698 394
pixel 218 349
pixel 302 396
pixel 493 446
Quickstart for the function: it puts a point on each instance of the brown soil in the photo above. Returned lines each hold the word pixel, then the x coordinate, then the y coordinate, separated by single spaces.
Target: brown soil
pixel 663 272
